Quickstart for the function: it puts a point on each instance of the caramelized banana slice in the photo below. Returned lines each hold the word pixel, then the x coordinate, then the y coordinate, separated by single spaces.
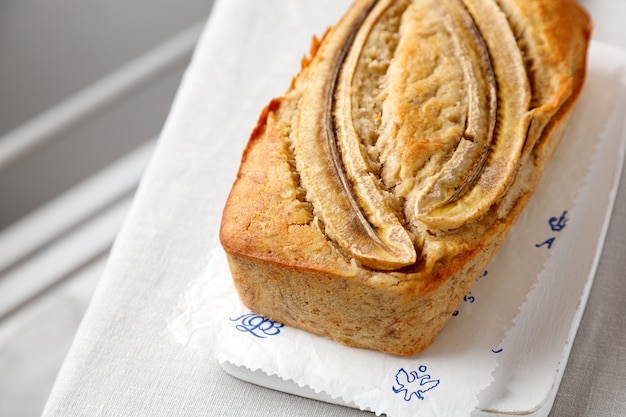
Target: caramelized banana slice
pixel 512 126
pixel 460 171
pixel 328 153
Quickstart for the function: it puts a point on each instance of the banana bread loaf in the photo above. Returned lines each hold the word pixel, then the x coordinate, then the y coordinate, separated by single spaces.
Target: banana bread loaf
pixel 374 192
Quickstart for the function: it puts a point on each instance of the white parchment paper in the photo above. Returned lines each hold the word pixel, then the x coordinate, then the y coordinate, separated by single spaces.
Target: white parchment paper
pixel 518 320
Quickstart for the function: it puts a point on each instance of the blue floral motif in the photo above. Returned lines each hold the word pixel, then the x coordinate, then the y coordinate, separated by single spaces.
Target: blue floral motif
pixel 558 223
pixel 413 383
pixel 257 326
pixel 548 243
pixel 469 298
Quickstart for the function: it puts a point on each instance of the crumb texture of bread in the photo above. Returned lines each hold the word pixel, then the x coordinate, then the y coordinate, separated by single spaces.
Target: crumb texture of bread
pixel 374 192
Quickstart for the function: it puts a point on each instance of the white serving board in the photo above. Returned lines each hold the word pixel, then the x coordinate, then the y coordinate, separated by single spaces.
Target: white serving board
pixel 534 353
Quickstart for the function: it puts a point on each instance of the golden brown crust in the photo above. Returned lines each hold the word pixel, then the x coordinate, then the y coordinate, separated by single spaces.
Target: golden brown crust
pixel 292 257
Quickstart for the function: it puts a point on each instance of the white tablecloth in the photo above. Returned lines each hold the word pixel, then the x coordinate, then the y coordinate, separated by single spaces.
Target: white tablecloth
pixel 124 362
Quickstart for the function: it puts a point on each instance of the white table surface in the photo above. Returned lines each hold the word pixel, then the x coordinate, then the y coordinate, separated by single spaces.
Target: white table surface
pixel 124 363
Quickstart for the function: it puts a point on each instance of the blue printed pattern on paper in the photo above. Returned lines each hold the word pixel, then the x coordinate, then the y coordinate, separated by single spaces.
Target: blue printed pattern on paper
pixel 556 225
pixel 414 383
pixel 469 298
pixel 257 326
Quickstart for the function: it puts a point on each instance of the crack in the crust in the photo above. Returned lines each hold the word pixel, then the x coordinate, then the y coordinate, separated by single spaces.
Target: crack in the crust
pixel 331 122
pixel 300 191
pixel 371 73
pixel 369 78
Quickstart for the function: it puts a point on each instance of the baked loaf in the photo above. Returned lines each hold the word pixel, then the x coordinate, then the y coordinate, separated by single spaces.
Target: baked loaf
pixel 372 195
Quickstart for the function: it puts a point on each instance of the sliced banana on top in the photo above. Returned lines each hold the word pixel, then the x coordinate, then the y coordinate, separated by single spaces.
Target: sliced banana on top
pixel 467 161
pixel 513 99
pixel 333 161
pixel 328 154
